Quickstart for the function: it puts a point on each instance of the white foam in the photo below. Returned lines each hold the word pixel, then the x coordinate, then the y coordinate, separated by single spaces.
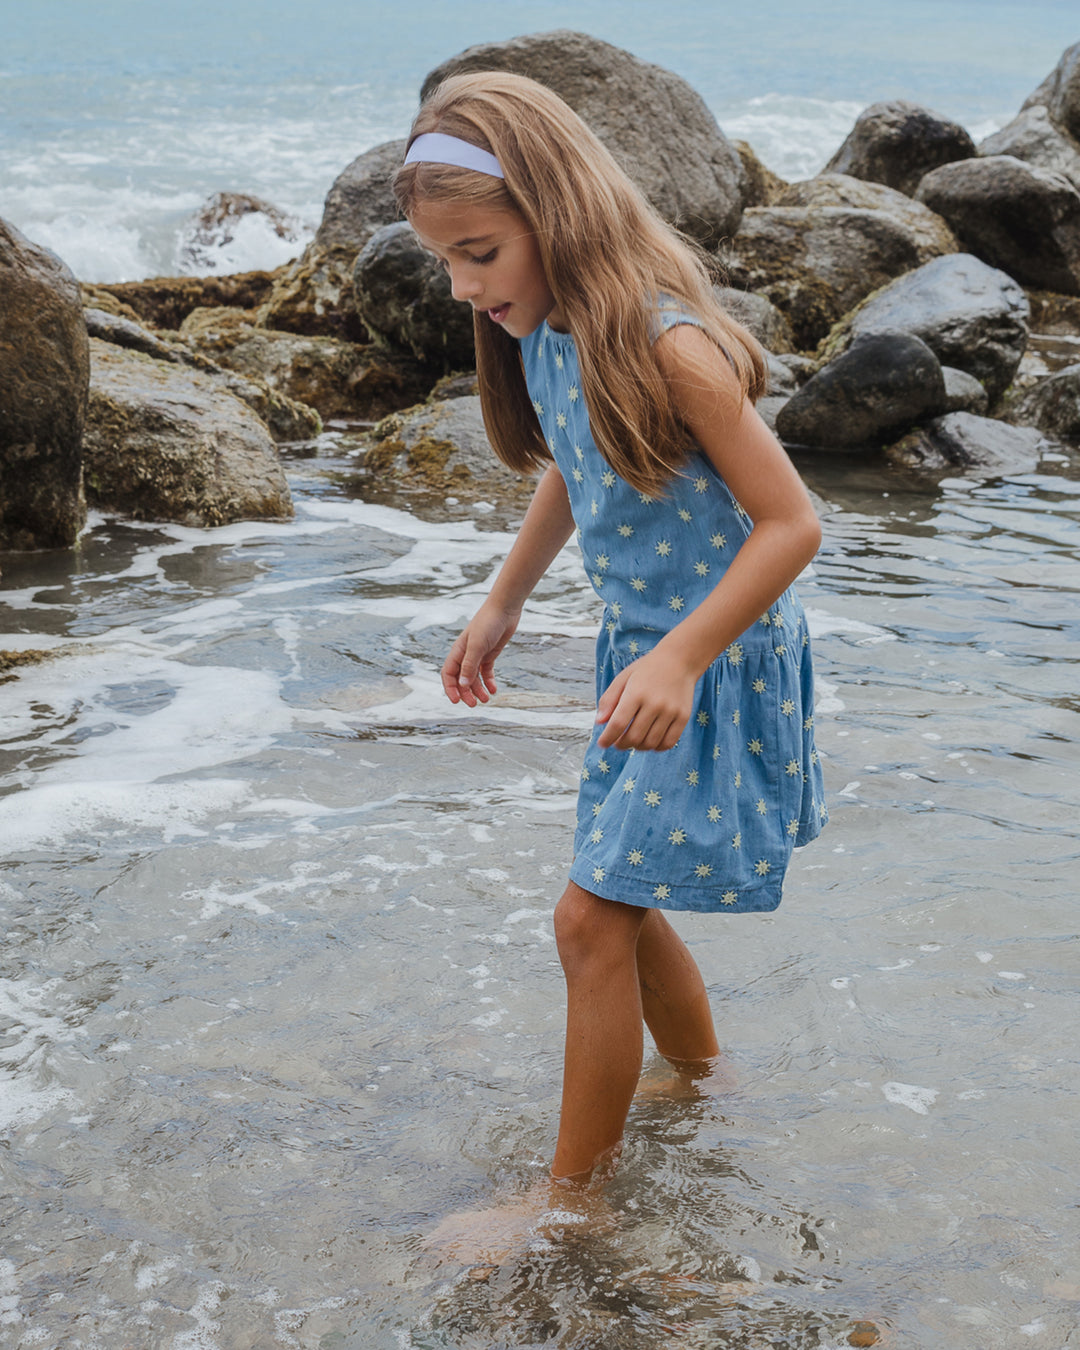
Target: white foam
pixel 917 1099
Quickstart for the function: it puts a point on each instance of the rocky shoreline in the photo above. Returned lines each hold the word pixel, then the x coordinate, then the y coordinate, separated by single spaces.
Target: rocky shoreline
pixel 919 301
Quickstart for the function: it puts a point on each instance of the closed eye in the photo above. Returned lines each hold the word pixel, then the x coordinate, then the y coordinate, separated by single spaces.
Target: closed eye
pixel 488 257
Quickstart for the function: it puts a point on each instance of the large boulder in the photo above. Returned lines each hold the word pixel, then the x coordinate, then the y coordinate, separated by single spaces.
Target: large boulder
pixel 971 316
pixel 931 234
pixel 314 294
pixel 961 442
pixel 652 121
pixel 44 370
pixel 817 262
pixel 338 378
pixel 1018 217
pixel 165 442
pixel 876 389
pixel 1052 405
pixel 1059 93
pixel 896 143
pixel 405 299
pixel 1032 137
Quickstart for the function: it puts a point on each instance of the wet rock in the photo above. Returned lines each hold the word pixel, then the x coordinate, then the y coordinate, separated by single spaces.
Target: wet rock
pixel 44 370
pixel 971 315
pixel 896 143
pixel 1033 138
pixel 404 297
pixel 930 232
pixel 878 387
pixel 1053 314
pixel 962 442
pixel 1052 405
pixel 10 661
pixel 817 262
pixel 1023 219
pixel 338 378
pixel 1059 93
pixel 963 392
pixel 122 332
pixel 436 449
pixel 763 187
pixel 165 442
pixel 216 223
pixel 652 121
pixel 760 316
pixel 165 302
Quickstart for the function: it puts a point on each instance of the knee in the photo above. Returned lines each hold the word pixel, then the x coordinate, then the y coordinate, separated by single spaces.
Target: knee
pixel 593 932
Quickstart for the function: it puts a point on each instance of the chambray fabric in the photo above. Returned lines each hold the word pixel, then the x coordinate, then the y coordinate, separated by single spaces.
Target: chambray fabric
pixel 710 824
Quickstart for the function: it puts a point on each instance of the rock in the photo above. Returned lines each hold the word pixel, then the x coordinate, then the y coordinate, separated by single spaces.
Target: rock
pixel 1032 137
pixel 44 370
pixel 164 442
pixel 1055 314
pixel 97 297
pixel 782 381
pixel 963 392
pixel 759 315
pixel 1022 219
pixel 1059 93
pixel 218 221
pixel 1053 405
pixel 970 315
pixel 436 449
pixel 882 384
pixel 652 121
pixel 130 333
pixel 165 302
pixel 361 200
pixel 338 378
pixel 817 262
pixel 763 187
pixel 930 232
pixel 28 656
pixel 962 442
pixel 896 143
pixel 404 297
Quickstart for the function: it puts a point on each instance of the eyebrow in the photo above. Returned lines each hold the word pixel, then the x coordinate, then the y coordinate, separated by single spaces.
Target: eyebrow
pixel 475 239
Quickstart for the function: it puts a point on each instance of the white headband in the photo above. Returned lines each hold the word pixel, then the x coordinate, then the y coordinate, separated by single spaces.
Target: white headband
pixel 433 147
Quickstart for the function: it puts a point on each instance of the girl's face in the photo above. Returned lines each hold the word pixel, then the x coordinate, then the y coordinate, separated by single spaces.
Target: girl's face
pixel 493 261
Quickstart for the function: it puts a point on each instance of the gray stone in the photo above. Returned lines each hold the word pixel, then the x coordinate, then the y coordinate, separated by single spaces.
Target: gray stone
pixel 1052 405
pixel 361 201
pixel 165 442
pixel 1032 137
pixel 817 262
pixel 879 387
pixel 652 121
pixel 896 143
pixel 405 299
pixel 972 316
pixel 1023 219
pixel 1059 93
pixel 961 442
pixel 931 234
pixel 759 315
pixel 44 370
pixel 963 392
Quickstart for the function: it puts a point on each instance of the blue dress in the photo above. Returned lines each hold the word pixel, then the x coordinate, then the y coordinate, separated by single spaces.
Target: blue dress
pixel 710 824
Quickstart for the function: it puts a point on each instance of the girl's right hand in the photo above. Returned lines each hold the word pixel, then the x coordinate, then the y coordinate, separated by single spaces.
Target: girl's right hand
pixel 468 674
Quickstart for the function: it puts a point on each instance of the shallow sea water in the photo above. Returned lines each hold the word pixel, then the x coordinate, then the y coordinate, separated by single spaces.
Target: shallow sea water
pixel 279 989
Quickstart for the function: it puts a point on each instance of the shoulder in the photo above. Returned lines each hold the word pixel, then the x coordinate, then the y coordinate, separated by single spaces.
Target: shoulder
pixel 694 365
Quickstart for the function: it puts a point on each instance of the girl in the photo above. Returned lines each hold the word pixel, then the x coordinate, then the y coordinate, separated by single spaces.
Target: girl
pixel 604 359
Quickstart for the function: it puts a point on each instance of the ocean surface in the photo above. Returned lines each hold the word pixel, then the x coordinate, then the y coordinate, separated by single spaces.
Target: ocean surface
pixel 119 119
pixel 278 986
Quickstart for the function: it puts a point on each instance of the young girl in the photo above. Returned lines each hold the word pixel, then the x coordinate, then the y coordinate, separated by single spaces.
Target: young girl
pixel 604 359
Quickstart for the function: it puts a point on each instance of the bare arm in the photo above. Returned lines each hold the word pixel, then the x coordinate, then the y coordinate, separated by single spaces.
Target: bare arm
pixel 468 673
pixel 648 704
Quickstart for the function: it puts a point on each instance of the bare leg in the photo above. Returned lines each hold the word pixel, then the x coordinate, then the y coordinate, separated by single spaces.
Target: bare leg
pixel 673 998
pixel 597 941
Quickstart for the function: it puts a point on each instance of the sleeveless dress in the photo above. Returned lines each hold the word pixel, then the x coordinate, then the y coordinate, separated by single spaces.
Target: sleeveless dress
pixel 710 824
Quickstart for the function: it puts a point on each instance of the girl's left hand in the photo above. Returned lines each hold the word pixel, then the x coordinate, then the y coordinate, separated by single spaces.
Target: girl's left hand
pixel 647 705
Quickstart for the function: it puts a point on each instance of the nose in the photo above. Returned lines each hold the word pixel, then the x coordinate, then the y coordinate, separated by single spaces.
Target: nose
pixel 464 283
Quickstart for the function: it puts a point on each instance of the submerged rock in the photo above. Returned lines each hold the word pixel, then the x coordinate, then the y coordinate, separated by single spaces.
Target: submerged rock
pixel 880 386
pixel 972 316
pixel 44 370
pixel 164 442
pixel 817 262
pixel 657 127
pixel 962 442
pixel 405 299
pixel 896 143
pixel 1023 219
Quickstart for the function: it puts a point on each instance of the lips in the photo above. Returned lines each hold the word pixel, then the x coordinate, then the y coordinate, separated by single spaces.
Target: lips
pixel 498 313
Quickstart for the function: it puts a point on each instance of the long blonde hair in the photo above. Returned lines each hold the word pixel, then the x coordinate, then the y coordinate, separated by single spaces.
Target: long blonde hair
pixel 608 257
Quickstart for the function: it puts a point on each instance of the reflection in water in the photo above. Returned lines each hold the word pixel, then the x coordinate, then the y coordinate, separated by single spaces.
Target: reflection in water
pixel 279 991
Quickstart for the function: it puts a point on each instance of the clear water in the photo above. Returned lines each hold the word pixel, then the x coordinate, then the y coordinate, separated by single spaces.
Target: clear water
pixel 279 989
pixel 119 119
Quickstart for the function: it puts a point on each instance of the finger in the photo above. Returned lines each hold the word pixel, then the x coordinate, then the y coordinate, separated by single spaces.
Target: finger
pixel 609 699
pixel 452 669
